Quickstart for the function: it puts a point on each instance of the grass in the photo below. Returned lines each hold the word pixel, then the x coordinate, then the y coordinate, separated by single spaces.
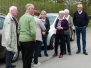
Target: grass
pixel 89 24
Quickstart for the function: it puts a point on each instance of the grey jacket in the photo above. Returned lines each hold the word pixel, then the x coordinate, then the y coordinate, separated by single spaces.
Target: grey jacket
pixel 39 28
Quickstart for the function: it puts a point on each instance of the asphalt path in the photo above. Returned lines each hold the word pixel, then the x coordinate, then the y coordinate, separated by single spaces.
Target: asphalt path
pixel 67 61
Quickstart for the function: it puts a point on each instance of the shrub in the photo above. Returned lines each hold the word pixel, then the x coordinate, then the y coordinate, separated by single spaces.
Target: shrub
pixel 50 7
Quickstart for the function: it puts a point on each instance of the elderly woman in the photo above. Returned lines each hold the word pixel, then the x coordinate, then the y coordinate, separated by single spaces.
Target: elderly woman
pixel 39 28
pixel 61 25
pixel 67 37
pixel 46 23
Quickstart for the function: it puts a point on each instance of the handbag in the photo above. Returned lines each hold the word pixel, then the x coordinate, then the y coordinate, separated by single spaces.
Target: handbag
pixel 66 32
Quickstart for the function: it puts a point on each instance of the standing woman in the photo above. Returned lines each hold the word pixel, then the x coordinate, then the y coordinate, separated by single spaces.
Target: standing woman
pixel 67 37
pixel 39 28
pixel 61 25
pixel 45 21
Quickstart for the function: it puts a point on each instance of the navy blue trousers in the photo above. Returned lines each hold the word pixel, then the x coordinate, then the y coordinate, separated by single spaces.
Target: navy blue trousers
pixel 9 57
pixel 36 53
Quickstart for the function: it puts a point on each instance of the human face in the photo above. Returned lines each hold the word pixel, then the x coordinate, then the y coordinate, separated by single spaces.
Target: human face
pixel 43 16
pixel 14 12
pixel 31 10
pixel 66 14
pixel 79 8
pixel 61 15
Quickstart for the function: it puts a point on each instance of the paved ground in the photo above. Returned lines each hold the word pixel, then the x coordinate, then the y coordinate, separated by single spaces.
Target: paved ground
pixel 73 61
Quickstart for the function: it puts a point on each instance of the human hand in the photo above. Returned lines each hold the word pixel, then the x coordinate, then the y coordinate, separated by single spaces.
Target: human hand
pixel 59 27
pixel 44 33
pixel 9 44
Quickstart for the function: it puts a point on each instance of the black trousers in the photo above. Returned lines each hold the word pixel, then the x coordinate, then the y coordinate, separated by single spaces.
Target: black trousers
pixel 60 37
pixel 27 49
pixel 9 57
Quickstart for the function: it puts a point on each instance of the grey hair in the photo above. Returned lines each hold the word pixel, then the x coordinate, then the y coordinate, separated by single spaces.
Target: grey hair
pixel 12 8
pixel 61 12
pixel 43 12
pixel 66 10
pixel 80 5
pixel 29 6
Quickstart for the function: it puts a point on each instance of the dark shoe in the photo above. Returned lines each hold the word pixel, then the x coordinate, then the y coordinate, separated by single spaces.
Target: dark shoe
pixel 77 52
pixel 85 53
pixel 64 53
pixel 13 66
pixel 46 54
pixel 69 53
pixel 40 55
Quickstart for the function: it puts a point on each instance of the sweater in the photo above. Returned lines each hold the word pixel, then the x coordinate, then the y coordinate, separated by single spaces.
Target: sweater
pixel 64 24
pixel 80 20
pixel 27 28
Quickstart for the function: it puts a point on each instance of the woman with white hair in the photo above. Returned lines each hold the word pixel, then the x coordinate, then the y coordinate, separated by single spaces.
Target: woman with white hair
pixel 61 25
pixel 67 37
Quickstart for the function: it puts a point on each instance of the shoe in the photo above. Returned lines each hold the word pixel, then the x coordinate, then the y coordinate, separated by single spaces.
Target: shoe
pixel 54 55
pixel 60 56
pixel 32 62
pixel 77 52
pixel 40 55
pixel 13 66
pixel 85 53
pixel 46 54
pixel 37 64
pixel 69 53
pixel 64 53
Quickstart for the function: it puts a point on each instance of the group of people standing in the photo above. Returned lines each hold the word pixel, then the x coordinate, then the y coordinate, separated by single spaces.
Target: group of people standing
pixel 64 23
pixel 32 32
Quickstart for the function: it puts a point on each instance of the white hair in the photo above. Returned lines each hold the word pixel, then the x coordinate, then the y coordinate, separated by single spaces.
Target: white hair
pixel 66 10
pixel 43 12
pixel 61 12
pixel 80 5
pixel 12 8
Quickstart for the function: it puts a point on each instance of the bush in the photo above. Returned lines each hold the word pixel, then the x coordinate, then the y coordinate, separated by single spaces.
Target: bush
pixel 50 7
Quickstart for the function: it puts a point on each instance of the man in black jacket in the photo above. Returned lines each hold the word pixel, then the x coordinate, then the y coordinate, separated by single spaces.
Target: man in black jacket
pixel 45 21
pixel 80 20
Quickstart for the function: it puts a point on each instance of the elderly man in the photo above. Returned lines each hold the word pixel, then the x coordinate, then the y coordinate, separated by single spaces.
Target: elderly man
pixel 27 35
pixel 80 20
pixel 9 35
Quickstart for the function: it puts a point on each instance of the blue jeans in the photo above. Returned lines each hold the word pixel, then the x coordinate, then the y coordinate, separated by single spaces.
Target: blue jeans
pixel 67 40
pixel 83 31
pixel 36 53
pixel 45 46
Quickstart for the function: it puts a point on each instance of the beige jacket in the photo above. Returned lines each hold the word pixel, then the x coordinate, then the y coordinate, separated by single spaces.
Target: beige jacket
pixel 9 37
pixel 39 28
pixel 70 21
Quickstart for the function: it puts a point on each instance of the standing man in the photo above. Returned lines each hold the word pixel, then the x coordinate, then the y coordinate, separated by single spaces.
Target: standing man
pixel 27 35
pixel 9 35
pixel 80 20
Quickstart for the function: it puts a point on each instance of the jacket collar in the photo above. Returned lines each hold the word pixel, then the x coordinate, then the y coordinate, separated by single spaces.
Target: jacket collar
pixel 10 16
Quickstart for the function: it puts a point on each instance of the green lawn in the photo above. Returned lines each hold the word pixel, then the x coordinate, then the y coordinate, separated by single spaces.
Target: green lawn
pixel 89 24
